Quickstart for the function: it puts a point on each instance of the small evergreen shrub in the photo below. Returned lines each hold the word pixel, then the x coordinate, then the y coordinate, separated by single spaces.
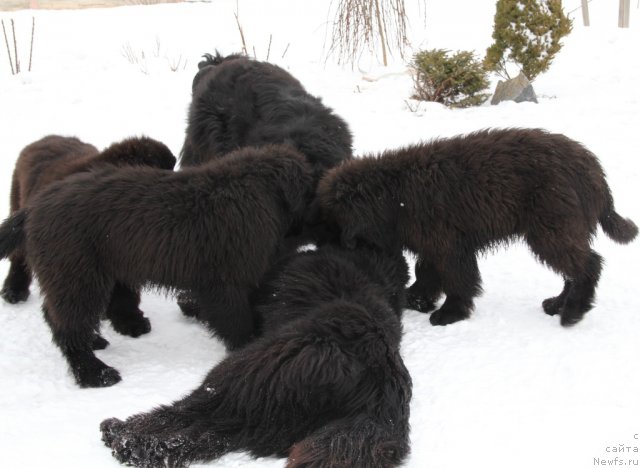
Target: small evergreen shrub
pixel 527 33
pixel 454 79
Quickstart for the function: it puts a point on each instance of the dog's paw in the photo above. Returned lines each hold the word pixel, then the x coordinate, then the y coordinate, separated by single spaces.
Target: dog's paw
pixel 419 303
pixel 14 296
pixel 188 305
pixel 111 429
pixel 98 342
pixel 552 305
pixel 447 316
pixel 150 451
pixel 96 377
pixel 133 326
pixel 571 316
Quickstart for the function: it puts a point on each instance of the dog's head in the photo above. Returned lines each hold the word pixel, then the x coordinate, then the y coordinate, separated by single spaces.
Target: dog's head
pixel 293 177
pixel 209 63
pixel 139 151
pixel 355 200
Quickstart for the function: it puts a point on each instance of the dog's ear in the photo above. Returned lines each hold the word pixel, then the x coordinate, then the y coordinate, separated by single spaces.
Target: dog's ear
pixel 294 198
pixel 341 191
pixel 317 228
pixel 313 216
pixel 350 192
pixel 348 238
pixel 296 187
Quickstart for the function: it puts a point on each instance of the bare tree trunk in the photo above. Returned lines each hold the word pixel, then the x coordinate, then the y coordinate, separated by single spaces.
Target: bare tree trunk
pixel 381 32
pixel 623 13
pixel 585 12
pixel 360 23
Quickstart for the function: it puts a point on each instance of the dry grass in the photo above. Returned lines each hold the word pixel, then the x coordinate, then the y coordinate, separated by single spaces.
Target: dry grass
pixel 141 59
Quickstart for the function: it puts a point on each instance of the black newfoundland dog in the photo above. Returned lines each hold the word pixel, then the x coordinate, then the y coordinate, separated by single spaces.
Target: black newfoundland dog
pixel 212 229
pixel 324 385
pixel 53 158
pixel 449 199
pixel 238 101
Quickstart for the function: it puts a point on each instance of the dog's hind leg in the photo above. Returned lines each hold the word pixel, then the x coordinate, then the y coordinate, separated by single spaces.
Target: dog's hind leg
pixel 203 425
pixel 124 314
pixel 260 398
pixel 566 254
pixel 427 288
pixel 227 312
pixel 73 316
pixel 461 283
pixel 16 285
pixel 172 435
pixel 579 300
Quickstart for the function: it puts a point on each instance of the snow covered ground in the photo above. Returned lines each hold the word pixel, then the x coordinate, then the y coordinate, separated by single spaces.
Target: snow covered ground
pixel 509 387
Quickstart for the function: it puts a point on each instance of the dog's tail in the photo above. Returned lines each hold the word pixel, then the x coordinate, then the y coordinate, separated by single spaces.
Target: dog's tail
pixel 357 440
pixel 12 233
pixel 619 229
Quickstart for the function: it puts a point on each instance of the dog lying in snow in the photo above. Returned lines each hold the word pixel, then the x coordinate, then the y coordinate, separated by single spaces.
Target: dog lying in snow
pixel 324 384
pixel 449 199
pixel 212 229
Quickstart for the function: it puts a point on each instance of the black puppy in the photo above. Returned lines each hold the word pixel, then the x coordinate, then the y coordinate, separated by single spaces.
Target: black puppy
pixel 237 102
pixel 240 102
pixel 324 385
pixel 55 157
pixel 212 229
pixel 449 199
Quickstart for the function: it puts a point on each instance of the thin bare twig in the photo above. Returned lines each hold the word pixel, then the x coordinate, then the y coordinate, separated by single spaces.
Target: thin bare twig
pixel 6 41
pixel 269 48
pixel 33 29
pixel 156 51
pixel 244 44
pixel 285 50
pixel 15 47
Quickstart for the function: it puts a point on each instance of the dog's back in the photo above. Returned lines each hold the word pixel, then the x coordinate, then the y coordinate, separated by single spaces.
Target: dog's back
pixel 492 184
pixel 239 102
pixel 348 302
pixel 136 151
pixel 300 282
pixel 46 160
pixel 133 214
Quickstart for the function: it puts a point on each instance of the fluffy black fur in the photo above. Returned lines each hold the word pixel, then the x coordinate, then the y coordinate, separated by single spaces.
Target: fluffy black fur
pixel 238 101
pixel 449 199
pixel 212 229
pixel 324 385
pixel 52 159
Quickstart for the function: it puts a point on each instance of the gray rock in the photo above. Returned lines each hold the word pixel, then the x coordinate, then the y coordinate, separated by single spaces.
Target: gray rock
pixel 516 89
